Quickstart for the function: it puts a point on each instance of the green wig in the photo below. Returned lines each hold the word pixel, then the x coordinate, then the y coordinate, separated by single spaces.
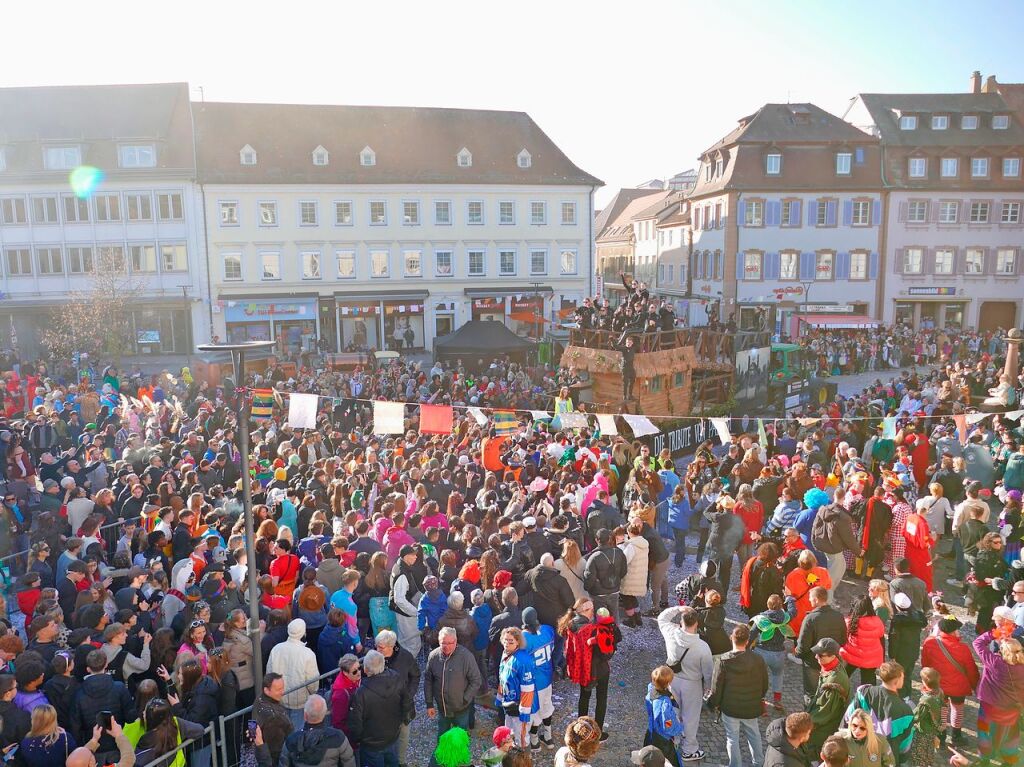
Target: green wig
pixel 453 749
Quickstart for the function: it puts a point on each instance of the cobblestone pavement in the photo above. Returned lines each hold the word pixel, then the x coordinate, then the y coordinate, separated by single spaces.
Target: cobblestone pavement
pixel 855 384
pixel 643 649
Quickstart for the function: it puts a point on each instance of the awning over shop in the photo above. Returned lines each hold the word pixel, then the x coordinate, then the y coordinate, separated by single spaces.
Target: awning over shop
pixel 840 321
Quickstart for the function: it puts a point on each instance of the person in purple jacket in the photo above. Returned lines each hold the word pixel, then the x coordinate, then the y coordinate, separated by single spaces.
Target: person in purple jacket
pixel 1000 698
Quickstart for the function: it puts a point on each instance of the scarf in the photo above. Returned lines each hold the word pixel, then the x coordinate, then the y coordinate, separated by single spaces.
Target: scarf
pixel 827 667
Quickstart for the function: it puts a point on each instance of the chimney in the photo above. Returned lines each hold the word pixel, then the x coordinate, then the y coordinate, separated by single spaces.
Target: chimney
pixel 975 81
pixel 991 86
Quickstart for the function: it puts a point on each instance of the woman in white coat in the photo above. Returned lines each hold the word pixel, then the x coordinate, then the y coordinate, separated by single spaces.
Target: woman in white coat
pixel 634 583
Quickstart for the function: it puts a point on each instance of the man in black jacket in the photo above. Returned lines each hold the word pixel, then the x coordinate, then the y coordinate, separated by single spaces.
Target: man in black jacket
pixel 181 539
pixel 603 574
pixel 379 707
pixel 822 621
pixel 552 595
pixel 67 587
pixel 316 743
pixel 14 723
pixel 832 534
pixel 401 661
pixel 272 717
pixel 99 692
pixel 600 515
pixel 738 685
pixel 724 538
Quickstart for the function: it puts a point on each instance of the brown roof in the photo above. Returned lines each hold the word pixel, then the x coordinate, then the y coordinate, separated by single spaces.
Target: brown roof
pixel 615 206
pixel 781 123
pixel 622 224
pixel 412 145
pixel 661 208
pixel 97 118
pixel 886 107
pixel 1013 95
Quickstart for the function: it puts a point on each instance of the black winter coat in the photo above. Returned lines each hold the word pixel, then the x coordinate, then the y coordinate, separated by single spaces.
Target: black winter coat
pixel 821 622
pixel 550 592
pixel 201 704
pixel 378 708
pixel 738 684
pixel 905 633
pixel 780 752
pixel 727 531
pixel 60 691
pixel 99 692
pixel 605 569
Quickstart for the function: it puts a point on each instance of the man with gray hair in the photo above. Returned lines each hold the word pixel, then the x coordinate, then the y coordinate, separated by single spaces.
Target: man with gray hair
pixel 552 595
pixel 317 744
pixel 379 708
pixel 400 661
pixel 450 683
pixel 458 618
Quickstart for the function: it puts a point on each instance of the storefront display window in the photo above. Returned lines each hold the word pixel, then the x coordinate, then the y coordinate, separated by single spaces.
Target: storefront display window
pixel 489 309
pixel 954 316
pixel 161 331
pixel 359 327
pixel 403 326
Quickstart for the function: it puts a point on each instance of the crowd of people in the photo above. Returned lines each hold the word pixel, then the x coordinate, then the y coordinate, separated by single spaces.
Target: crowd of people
pixel 461 576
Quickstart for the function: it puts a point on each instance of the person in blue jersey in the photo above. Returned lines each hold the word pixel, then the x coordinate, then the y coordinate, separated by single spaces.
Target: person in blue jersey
pixel 517 694
pixel 540 644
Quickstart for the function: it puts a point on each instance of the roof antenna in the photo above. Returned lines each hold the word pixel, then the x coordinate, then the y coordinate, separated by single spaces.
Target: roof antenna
pixel 202 94
pixel 788 93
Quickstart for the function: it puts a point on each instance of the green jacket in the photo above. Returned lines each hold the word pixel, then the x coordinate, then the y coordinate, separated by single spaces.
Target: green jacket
pixel 828 706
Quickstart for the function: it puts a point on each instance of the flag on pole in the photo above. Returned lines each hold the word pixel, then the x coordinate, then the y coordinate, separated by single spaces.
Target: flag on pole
pixel 435 419
pixel 722 427
pixel 505 422
pixel 540 415
pixel 388 418
pixel 302 410
pixel 975 417
pixel 262 404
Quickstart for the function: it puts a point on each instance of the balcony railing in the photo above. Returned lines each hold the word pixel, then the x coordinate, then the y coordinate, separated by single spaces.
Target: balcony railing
pixel 710 346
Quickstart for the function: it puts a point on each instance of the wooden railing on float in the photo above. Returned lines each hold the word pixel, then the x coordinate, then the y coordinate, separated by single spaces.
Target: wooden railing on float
pixel 713 346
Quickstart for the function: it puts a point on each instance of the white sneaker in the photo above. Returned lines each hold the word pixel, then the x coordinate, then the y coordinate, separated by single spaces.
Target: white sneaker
pixel 696 756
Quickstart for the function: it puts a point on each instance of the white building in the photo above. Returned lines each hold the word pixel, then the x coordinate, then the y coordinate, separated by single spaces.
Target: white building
pixel 145 211
pixel 365 226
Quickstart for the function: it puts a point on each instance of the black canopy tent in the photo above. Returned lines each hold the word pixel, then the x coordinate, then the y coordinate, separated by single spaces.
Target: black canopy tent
pixel 481 338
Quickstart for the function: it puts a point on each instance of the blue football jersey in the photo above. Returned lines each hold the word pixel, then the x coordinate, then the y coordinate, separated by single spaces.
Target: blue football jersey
pixel 541 646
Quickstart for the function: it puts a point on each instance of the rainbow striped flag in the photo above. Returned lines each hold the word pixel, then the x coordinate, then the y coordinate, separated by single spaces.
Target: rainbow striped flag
pixel 262 404
pixel 505 422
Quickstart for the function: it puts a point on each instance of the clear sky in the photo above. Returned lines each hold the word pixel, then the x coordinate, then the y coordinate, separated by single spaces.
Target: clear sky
pixel 629 90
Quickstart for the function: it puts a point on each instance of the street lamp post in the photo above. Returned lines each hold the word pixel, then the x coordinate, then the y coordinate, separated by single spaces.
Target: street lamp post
pixel 237 352
pixel 807 284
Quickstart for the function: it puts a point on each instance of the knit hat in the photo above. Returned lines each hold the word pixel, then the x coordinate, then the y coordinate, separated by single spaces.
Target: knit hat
pixel 297 629
pixel 530 619
pixel 1002 613
pixel 501 734
pixel 502 578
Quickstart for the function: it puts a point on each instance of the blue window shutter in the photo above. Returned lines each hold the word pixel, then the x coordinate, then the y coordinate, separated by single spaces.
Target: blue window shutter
pixel 773 213
pixel 740 275
pixel 876 213
pixel 812 213
pixel 858 155
pixel 873 267
pixel 806 267
pixel 830 213
pixel 771 266
pixel 847 212
pixel 842 266
pixel 741 211
pixel 796 213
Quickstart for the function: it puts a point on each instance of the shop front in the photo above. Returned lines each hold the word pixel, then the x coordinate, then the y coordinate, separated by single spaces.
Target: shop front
pixel 291 323
pixel 928 308
pixel 526 316
pixel 489 309
pixel 403 325
pixel 523 309
pixel 380 320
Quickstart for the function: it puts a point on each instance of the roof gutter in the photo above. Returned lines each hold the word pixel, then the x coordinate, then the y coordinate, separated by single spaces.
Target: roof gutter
pixel 883 234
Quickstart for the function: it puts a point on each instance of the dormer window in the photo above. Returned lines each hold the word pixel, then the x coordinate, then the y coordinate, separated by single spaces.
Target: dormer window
pixel 464 158
pixel 1000 122
pixel 773 164
pixel 62 157
pixel 320 156
pixel 524 160
pixel 367 157
pixel 247 155
pixel 940 122
pixel 969 122
pixel 719 166
pixel 908 122
pixel 137 156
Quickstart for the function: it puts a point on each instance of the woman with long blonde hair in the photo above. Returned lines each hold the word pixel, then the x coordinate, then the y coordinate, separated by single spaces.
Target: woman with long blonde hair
pixel 571 565
pixel 866 748
pixel 878 590
pixel 47 743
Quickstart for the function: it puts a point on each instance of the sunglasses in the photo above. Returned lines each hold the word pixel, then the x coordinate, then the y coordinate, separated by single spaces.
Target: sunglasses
pixel 355 671
pixel 197 624
pixel 858 728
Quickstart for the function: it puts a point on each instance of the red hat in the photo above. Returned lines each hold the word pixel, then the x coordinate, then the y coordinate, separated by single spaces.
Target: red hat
pixel 501 734
pixel 502 578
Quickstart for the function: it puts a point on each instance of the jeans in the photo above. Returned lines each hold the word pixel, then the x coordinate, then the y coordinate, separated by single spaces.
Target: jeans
pixel 959 562
pixel 836 571
pixel 201 757
pixel 750 731
pixel 680 552
pixel 610 601
pixel 776 662
pixel 297 718
pixel 583 709
pixel 386 757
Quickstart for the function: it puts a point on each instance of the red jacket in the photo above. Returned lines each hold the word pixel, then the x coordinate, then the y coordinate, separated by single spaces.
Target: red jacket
pixel 864 649
pixel 952 681
pixel 753 518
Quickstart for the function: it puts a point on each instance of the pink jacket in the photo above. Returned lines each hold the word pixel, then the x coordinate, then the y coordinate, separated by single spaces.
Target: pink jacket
pixel 394 539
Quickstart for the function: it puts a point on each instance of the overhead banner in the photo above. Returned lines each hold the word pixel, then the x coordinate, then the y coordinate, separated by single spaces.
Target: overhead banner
pixel 436 419
pixel 388 418
pixel 302 410
pixel 574 421
pixel 641 425
pixel 607 425
pixel 722 427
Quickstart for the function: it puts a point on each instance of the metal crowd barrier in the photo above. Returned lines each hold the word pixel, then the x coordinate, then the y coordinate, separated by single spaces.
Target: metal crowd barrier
pixel 198 752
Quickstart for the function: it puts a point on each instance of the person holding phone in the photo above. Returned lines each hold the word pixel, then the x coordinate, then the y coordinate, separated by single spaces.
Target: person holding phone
pixel 86 756
pixel 100 694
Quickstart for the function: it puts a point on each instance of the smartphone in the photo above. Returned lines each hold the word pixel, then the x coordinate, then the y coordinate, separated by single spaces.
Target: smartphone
pixel 105 719
pixel 250 731
pixel 9 754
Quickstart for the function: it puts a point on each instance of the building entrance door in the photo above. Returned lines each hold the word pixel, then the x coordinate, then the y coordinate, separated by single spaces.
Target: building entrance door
pixel 997 314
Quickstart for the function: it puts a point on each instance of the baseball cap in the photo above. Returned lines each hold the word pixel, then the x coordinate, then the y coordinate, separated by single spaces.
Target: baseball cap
pixel 648 756
pixel 826 646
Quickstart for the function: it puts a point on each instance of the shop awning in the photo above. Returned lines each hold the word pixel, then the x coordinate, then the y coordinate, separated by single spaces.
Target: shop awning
pixel 525 290
pixel 840 321
pixel 382 295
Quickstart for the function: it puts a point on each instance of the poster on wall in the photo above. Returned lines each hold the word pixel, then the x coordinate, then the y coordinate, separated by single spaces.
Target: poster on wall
pixel 752 373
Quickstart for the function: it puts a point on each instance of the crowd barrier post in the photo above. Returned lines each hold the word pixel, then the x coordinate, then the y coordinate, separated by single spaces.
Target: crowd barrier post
pixel 188 748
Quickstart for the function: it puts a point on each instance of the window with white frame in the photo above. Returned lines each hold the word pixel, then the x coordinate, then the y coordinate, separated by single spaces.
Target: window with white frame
pixel 979 212
pixel 268 213
pixel 474 212
pixel 44 210
pixel 773 164
pixel 62 157
pixel 858 265
pixel 309 213
pixel 173 257
pixel 1006 261
pixel 524 160
pixel 379 266
pixel 270 266
pixel 944 259
pixel 413 261
pixel 320 156
pixel 142 259
pixel 111 258
pixel 247 155
pixel 538 261
pixel 671 273
pixel 844 162
pixel 50 260
pixel 170 206
pixel 569 213
pixel 13 211
pixel 346 261
pixel 367 157
pixel 913 260
pixel 567 260
pixel 789 265
pixel 76 209
pixel 378 212
pixel 753 265
pixel 719 167
pixel 464 158
pixel 443 263
pixel 311 265
pixel 917 167
pixel 343 213
pixel 1000 122
pixel 137 156
pixel 969 122
pixel 979 167
pixel 138 207
pixel 506 212
pixel 821 213
pixel 719 222
pixel 861 213
pixel 229 213
pixel 949 167
pixel 908 122
pixel 80 259
pixel 411 213
pixel 442 212
pixel 949 211
pixel 108 207
pixel 1010 214
pixel 940 122
pixel 824 265
pixel 754 213
pixel 974 261
pixel 538 213
pixel 917 212
pixel 1011 167
pixel 19 262
pixel 476 262
pixel 232 266
pixel 790 213
pixel 506 262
